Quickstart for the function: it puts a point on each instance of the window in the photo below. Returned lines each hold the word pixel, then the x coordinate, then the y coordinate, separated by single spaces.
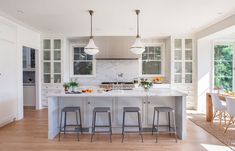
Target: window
pixel 83 64
pixel 223 66
pixel 152 63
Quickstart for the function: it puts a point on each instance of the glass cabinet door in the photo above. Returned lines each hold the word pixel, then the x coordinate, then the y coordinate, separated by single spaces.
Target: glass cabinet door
pixel 178 49
pixel 52 60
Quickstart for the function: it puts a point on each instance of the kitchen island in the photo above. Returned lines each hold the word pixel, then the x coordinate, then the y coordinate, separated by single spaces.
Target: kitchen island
pixel 116 100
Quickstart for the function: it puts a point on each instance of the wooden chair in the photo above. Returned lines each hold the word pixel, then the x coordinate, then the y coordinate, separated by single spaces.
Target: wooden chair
pixel 219 109
pixel 230 110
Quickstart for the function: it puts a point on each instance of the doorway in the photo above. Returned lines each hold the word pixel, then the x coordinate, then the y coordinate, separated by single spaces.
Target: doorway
pixel 29 77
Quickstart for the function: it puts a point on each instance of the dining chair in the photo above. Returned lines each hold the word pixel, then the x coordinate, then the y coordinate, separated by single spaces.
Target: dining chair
pixel 230 110
pixel 219 109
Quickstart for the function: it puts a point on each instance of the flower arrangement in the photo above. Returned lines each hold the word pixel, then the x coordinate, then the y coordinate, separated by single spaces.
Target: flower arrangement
pixel 146 84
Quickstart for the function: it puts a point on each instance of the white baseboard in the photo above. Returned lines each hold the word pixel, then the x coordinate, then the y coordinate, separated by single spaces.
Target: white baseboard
pixel 7 120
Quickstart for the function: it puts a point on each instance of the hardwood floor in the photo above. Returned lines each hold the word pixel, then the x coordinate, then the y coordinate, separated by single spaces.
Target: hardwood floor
pixel 30 134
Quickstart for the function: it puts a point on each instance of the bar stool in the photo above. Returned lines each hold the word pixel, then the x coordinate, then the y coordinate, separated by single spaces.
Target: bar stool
pixel 101 110
pixel 75 110
pixel 131 110
pixel 171 129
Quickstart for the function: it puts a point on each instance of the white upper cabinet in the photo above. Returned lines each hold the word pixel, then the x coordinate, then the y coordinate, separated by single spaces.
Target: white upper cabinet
pixel 52 60
pixel 182 54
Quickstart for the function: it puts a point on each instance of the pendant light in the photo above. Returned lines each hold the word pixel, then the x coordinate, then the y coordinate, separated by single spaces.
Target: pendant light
pixel 137 48
pixel 91 48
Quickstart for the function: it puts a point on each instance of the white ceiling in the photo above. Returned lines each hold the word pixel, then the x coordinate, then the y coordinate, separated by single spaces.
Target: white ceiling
pixel 158 18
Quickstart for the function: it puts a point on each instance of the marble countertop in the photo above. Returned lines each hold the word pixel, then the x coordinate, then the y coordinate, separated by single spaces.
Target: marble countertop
pixel 124 93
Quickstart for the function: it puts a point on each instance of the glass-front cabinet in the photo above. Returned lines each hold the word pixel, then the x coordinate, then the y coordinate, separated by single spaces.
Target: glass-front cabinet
pixel 52 60
pixel 183 61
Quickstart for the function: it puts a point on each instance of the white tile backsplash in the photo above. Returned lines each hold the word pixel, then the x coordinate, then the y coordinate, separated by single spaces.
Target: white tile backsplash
pixel 107 70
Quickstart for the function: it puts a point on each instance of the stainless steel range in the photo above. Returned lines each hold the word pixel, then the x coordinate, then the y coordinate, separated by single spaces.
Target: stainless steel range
pixel 118 85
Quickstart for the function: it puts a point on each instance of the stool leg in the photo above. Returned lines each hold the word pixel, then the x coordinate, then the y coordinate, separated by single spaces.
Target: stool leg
pixel 174 126
pixel 169 121
pixel 123 125
pixel 77 125
pixel 92 128
pixel 60 123
pixel 80 118
pixel 153 121
pixel 140 127
pixel 65 116
pixel 157 125
pixel 110 127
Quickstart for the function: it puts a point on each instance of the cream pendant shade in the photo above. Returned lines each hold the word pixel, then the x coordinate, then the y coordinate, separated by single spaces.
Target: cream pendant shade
pixel 137 48
pixel 91 48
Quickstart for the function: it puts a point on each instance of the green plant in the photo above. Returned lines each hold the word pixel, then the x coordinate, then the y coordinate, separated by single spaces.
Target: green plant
pixel 146 84
pixel 73 84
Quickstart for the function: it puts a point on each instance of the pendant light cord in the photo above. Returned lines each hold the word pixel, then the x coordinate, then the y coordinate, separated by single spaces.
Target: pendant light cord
pixel 137 13
pixel 91 13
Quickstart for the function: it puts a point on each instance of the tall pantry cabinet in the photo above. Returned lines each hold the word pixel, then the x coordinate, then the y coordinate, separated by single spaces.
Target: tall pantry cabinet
pixel 52 73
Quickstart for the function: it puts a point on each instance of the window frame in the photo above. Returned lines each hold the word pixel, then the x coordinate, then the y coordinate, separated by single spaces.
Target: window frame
pixel 72 63
pixel 221 42
pixel 162 45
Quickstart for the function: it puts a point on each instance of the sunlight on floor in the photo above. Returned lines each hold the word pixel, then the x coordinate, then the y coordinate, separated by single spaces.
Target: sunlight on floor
pixel 210 147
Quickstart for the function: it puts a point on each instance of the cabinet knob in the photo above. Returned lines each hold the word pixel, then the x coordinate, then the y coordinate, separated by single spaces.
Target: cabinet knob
pixel 148 102
pixel 88 102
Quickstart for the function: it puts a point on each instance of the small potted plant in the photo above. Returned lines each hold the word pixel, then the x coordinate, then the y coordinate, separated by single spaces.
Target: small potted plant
pixel 73 85
pixel 66 87
pixel 146 84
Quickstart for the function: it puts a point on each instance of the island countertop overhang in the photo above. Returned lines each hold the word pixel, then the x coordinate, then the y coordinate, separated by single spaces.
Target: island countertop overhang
pixel 125 93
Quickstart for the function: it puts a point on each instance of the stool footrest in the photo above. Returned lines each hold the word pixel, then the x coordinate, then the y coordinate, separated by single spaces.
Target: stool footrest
pixel 131 131
pixel 131 125
pixel 101 132
pixel 102 126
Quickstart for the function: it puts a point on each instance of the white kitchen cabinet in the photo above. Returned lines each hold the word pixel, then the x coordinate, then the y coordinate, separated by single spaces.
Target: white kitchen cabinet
pixel 101 118
pixel 131 118
pixel 152 102
pixel 182 67
pixel 52 62
pixel 28 59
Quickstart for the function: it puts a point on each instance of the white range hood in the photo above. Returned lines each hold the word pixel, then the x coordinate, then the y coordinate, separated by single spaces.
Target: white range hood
pixel 115 48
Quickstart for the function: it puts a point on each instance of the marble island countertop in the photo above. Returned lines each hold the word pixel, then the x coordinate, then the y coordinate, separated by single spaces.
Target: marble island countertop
pixel 124 93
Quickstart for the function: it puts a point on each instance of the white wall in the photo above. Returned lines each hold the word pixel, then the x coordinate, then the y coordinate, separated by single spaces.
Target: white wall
pixel 12 105
pixel 204 43
pixel 204 75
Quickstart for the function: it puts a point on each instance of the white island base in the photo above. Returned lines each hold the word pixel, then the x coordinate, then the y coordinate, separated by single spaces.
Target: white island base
pixel 116 100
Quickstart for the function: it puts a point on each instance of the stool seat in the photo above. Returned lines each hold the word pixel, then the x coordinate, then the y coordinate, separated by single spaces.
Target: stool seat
pixel 102 109
pixel 164 109
pixel 131 109
pixel 71 109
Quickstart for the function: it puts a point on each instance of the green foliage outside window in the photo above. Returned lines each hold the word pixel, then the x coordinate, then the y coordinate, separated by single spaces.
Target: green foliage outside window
pixel 223 66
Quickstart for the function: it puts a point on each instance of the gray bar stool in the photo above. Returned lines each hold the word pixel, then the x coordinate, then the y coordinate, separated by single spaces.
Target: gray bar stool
pixel 132 110
pixel 171 130
pixel 76 110
pixel 101 110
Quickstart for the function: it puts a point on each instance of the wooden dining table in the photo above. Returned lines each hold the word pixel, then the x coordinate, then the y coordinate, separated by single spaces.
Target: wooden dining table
pixel 209 105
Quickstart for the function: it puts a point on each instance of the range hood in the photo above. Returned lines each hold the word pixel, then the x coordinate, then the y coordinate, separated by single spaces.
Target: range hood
pixel 115 48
